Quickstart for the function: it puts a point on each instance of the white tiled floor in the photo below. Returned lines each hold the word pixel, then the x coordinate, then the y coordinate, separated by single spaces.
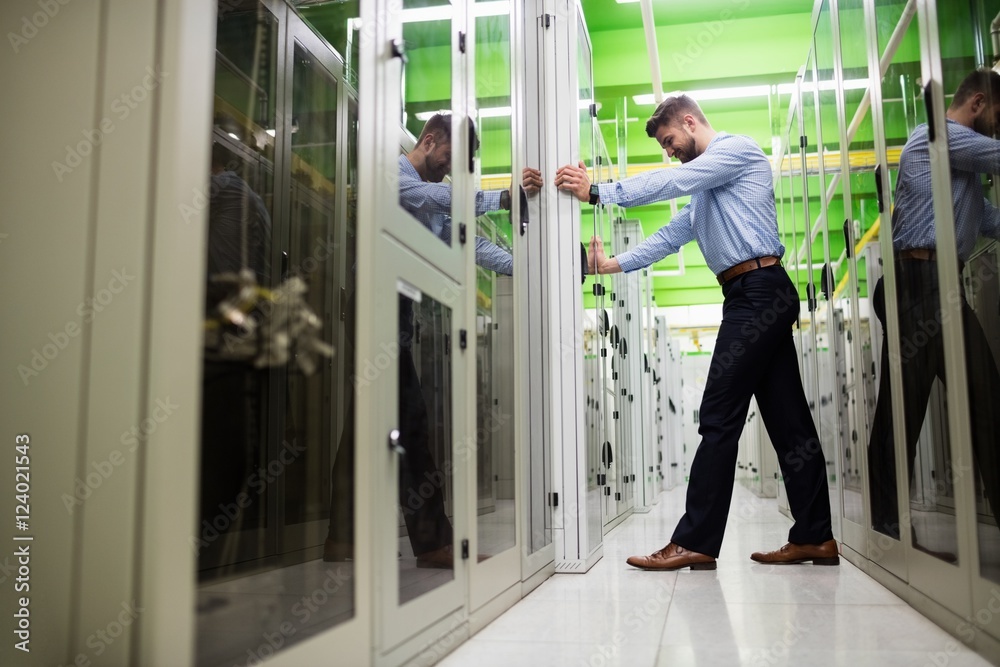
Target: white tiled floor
pixel 741 614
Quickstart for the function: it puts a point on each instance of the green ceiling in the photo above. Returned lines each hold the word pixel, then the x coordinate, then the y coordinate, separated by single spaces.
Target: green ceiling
pixel 606 15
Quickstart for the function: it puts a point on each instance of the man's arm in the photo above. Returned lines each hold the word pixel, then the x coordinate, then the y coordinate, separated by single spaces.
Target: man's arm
pixel 495 200
pixel 705 172
pixel 709 170
pixel 666 241
pixel 493 257
pixel 971 151
pixel 991 221
pixel 415 195
pixel 419 196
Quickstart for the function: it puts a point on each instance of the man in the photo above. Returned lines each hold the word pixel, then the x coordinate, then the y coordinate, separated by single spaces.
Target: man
pixel 972 119
pixel 239 237
pixel 423 194
pixel 733 218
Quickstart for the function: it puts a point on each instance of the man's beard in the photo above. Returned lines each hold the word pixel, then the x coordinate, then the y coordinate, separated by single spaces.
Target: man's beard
pixel 687 152
pixel 980 125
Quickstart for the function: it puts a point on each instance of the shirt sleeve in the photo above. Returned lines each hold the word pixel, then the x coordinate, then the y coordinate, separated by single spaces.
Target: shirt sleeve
pixel 493 257
pixel 417 196
pixel 666 241
pixel 487 200
pixel 991 221
pixel 709 170
pixel 971 151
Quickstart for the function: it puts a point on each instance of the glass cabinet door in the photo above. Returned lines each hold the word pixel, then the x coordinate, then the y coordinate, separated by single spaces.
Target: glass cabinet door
pixel 834 321
pixel 496 318
pixel 273 406
pixel 959 283
pixel 896 94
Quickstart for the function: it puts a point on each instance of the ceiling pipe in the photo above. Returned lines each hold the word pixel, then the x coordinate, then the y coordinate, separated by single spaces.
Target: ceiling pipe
pixel 649 26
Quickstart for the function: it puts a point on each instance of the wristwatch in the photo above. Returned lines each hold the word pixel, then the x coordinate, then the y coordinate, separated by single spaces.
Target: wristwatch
pixel 595 195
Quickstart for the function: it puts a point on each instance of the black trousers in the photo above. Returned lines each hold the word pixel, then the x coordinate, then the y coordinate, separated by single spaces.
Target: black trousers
pixel 755 356
pixel 421 482
pixel 922 360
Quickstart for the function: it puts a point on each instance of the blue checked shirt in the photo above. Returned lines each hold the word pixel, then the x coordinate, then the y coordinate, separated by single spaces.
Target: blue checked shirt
pixel 430 203
pixel 970 154
pixel 731 212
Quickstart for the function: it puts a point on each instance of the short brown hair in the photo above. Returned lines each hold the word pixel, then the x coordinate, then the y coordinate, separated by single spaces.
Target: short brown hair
pixel 671 110
pixel 984 81
pixel 439 126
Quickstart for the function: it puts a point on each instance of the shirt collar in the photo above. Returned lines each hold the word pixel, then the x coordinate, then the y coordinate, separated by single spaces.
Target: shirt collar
pixel 406 167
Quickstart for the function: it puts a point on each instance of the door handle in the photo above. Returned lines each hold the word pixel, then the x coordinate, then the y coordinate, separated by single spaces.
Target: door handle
pixel 397 48
pixel 878 187
pixel 394 446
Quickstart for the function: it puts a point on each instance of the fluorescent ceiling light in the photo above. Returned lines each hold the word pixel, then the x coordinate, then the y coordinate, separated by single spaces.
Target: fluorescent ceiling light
pixel 489 112
pixel 849 84
pixel 492 112
pixel 271 132
pixel 739 92
pixel 444 13
pixel 626 2
pixel 233 135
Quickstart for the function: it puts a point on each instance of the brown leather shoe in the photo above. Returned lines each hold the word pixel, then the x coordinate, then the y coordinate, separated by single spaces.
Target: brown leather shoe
pixel 334 552
pixel 441 559
pixel 820 554
pixel 946 556
pixel 672 557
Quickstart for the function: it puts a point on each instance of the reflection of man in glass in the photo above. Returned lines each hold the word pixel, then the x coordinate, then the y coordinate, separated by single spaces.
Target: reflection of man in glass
pixel 428 199
pixel 421 496
pixel 733 218
pixel 239 234
pixel 973 117
pixel 239 228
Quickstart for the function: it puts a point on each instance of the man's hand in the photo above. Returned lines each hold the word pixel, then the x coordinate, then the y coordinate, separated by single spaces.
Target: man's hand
pixel 531 180
pixel 597 261
pixel 575 180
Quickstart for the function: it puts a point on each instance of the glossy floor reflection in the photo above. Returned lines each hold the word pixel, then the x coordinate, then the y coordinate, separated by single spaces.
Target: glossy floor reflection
pixel 740 614
pixel 244 618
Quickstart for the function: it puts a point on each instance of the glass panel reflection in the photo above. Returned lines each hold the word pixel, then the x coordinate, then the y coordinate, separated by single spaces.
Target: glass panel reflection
pixel 899 42
pixel 424 173
pixel 973 120
pixel 851 281
pixel 272 407
pixel 594 157
pixel 425 439
pixel 835 316
pixel 495 297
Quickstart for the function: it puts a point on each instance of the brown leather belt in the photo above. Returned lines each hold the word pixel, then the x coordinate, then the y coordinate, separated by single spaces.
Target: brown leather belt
pixel 744 267
pixel 918 253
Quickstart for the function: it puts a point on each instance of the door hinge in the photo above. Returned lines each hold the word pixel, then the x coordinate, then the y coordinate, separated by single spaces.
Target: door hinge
pixel 462 339
pixel 465 549
pixel 803 141
pixel 461 233
pixel 461 41
pixel 554 499
pixel 547 20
